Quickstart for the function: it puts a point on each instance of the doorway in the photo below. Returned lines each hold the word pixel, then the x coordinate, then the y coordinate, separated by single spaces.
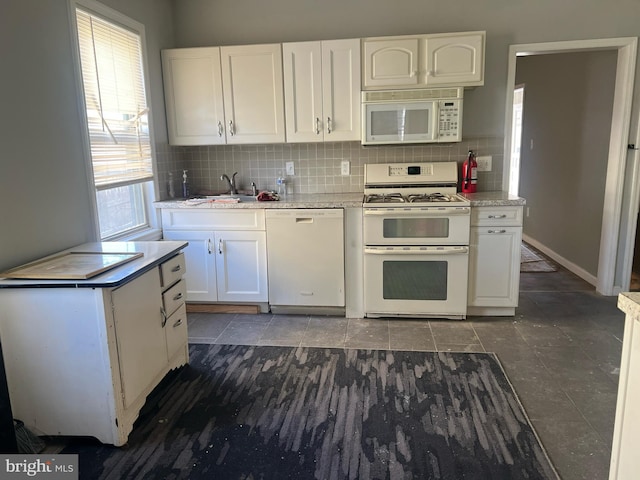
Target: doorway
pixel 619 219
pixel 516 136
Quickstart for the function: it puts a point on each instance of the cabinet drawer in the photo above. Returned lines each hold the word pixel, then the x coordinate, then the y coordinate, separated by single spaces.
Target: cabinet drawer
pixel 174 297
pixel 172 270
pixel 176 331
pixel 496 216
pixel 213 219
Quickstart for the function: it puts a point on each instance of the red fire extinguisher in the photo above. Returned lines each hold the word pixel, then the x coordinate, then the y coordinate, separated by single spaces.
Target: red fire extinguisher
pixel 470 174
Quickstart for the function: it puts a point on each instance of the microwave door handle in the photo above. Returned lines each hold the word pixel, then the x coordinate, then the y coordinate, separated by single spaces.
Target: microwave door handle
pixel 417 251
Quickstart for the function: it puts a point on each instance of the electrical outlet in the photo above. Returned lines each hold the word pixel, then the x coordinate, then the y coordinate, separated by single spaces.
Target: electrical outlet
pixel 345 167
pixel 484 163
pixel 290 169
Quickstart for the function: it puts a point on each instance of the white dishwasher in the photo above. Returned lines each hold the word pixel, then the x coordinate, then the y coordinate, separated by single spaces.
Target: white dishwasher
pixel 305 254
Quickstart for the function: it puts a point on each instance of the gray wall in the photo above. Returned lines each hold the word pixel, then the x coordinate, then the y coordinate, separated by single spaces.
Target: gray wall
pixel 568 103
pixel 43 184
pixel 229 22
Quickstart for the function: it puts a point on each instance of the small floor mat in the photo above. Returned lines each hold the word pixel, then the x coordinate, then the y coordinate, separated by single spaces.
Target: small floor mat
pixel 531 261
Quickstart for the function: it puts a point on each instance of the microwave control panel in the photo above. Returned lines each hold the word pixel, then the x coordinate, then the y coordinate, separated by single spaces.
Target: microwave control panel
pixel 449 120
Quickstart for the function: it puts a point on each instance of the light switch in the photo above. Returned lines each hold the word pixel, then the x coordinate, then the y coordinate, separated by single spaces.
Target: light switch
pixel 484 163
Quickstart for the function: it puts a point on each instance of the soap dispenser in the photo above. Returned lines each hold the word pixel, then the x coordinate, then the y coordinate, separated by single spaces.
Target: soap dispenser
pixel 185 185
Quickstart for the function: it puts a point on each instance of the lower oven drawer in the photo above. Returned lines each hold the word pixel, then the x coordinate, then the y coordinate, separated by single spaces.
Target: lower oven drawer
pixel 416 281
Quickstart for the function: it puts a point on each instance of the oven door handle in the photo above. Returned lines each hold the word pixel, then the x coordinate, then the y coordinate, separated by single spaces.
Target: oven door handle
pixel 416 251
pixel 414 212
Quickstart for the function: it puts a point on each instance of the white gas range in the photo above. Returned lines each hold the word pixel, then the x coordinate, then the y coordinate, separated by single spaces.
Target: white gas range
pixel 416 241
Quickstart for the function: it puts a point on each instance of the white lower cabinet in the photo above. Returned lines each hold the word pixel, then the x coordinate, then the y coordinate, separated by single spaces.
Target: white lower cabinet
pixel 227 254
pixel 97 354
pixel 494 260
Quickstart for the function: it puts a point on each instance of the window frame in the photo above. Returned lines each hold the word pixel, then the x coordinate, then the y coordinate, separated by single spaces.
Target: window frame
pixel 151 230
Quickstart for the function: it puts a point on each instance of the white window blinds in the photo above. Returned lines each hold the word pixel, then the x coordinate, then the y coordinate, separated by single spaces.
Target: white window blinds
pixel 117 113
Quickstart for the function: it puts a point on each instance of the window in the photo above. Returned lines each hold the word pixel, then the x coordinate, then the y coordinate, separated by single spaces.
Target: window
pixel 117 115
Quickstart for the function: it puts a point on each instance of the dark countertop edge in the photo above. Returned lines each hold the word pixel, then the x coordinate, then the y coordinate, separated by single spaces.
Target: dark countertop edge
pixel 135 269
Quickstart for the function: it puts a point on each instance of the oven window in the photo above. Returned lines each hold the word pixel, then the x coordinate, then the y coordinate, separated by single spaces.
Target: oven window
pixel 415 227
pixel 414 280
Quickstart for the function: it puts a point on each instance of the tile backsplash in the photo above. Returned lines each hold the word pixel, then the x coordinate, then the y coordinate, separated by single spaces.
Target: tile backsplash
pixel 317 165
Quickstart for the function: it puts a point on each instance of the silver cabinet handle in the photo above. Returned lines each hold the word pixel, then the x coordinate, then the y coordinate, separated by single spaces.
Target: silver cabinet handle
pixel 317 126
pixel 164 316
pixel 329 125
pixel 176 268
pixel 178 323
pixel 220 129
pixel 209 246
pixel 178 296
pixel 497 216
pixel 232 132
pixel 220 246
pixel 496 231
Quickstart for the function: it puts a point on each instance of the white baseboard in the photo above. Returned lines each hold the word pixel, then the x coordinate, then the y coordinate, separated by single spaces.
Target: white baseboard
pixel 572 267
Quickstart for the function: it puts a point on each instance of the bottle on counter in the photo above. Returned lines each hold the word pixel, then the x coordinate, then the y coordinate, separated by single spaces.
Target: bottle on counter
pixel 281 185
pixel 185 185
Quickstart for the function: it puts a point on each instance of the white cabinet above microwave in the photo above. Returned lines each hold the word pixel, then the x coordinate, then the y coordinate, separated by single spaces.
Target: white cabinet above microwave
pixel 411 61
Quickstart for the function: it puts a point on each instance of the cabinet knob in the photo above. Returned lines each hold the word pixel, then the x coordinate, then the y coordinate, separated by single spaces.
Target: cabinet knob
pixel 329 126
pixel 497 216
pixel 220 246
pixel 496 231
pixel 317 126
pixel 178 323
pixel 232 132
pixel 176 268
pixel 178 296
pixel 220 129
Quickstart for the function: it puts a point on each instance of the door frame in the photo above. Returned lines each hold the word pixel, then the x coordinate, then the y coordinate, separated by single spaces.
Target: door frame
pixel 610 246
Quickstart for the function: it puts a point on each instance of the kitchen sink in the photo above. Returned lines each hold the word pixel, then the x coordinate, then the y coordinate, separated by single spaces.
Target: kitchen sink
pixel 242 198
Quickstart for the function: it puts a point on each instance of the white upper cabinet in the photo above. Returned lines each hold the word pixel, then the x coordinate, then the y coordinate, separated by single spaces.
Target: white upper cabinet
pixel 455 59
pixel 322 90
pixel 452 59
pixel 253 93
pixel 193 96
pixel 391 62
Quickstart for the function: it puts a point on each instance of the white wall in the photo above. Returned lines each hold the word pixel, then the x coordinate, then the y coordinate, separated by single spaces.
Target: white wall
pixel 43 181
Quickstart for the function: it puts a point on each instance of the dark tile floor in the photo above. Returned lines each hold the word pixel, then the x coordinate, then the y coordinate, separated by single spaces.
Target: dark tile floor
pixel 561 352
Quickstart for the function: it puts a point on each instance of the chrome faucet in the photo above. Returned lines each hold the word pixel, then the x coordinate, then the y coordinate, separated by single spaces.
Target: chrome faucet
pixel 232 183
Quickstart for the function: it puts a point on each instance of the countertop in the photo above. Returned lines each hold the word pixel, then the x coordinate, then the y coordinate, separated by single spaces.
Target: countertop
pixel 154 253
pixel 334 200
pixel 629 303
pixel 494 199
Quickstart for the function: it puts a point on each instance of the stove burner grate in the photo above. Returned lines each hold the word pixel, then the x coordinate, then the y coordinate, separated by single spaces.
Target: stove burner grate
pixel 428 197
pixel 384 198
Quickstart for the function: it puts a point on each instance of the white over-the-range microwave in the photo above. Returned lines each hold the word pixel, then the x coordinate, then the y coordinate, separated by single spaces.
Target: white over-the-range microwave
pixel 431 115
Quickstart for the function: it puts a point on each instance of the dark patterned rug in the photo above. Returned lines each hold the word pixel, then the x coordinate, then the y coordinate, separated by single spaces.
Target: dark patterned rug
pixel 246 412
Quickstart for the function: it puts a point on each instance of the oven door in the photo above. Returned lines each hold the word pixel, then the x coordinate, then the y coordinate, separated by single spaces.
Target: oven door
pixel 416 281
pixel 416 226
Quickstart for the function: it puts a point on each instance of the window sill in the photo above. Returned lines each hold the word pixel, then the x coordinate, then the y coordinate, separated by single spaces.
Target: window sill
pixel 149 235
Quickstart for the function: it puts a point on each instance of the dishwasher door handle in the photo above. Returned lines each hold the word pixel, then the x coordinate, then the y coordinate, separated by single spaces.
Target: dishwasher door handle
pixel 304 220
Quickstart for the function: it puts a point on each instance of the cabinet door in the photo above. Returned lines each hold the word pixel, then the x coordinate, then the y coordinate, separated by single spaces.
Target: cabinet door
pixel 302 63
pixel 193 96
pixel 390 62
pixel 494 266
pixel 253 93
pixel 241 266
pixel 455 60
pixel 200 262
pixel 140 335
pixel 341 90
